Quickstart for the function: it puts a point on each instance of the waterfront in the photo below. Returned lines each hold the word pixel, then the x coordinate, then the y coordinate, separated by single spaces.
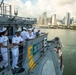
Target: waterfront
pixel 68 38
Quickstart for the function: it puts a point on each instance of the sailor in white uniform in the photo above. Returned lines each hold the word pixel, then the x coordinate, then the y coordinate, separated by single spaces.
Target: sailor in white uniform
pixel 58 45
pixel 23 34
pixel 16 41
pixel 4 43
pixel 38 33
pixel 30 34
pixel 58 49
pixel 33 31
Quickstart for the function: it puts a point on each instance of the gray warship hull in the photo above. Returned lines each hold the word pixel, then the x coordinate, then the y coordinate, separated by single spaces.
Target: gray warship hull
pixel 36 62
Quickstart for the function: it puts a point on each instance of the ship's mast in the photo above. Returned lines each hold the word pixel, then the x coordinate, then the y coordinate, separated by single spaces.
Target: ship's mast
pixel 5 9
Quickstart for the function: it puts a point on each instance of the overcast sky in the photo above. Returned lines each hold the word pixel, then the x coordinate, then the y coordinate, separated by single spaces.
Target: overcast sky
pixel 35 8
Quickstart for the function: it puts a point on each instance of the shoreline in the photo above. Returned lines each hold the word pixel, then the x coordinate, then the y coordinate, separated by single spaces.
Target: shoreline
pixel 56 28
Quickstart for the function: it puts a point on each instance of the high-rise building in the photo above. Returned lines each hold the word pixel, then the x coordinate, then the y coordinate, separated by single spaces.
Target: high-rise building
pixel 67 19
pixel 39 22
pixel 49 21
pixel 44 15
pixel 44 18
pixel 63 20
pixel 54 20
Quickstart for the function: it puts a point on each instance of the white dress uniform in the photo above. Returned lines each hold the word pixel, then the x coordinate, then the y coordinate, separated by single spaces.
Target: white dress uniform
pixel 4 41
pixel 15 50
pixel 39 32
pixel 23 35
pixel 30 35
pixel 34 33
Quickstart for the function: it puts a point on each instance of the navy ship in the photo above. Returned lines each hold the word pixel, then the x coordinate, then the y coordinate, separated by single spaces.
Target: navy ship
pixel 39 58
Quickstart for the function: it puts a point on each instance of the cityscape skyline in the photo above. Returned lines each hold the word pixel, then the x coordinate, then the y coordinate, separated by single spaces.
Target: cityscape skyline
pixel 34 8
pixel 54 21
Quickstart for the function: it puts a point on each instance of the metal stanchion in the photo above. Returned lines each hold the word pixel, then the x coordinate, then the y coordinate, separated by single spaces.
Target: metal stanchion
pixel 8 51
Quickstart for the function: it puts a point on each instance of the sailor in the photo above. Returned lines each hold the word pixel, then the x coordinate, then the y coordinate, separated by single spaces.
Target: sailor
pixel 30 34
pixel 33 31
pixel 4 43
pixel 23 34
pixel 38 33
pixel 16 41
pixel 58 48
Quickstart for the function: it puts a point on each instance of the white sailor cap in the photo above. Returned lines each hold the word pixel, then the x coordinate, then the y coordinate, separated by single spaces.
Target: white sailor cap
pixel 4 29
pixel 17 31
pixel 24 28
pixel 1 31
pixel 30 29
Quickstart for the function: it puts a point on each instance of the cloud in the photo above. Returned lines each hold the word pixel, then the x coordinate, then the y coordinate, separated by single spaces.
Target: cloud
pixel 64 2
pixel 58 7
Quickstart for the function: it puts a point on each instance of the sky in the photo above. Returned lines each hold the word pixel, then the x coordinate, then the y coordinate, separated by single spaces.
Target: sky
pixel 35 8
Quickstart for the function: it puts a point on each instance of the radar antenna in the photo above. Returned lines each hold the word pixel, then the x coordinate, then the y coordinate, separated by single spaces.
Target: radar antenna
pixel 15 11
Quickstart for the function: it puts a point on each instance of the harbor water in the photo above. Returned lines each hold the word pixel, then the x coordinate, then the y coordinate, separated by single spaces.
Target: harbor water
pixel 68 38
